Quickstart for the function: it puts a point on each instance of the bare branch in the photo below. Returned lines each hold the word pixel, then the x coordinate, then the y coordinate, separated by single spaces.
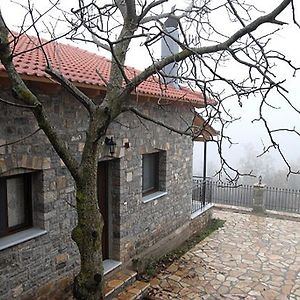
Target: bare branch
pixel 17 104
pixel 122 7
pixel 71 88
pixel 147 10
pixel 24 94
pixel 157 17
pixel 101 77
pixel 268 18
pixel 286 130
pixel 294 16
pixel 130 10
pixel 98 43
pixel 21 139
pixel 188 132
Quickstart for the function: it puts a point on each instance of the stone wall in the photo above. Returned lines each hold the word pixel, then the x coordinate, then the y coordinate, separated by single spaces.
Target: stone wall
pixel 200 222
pixel 172 241
pixel 27 266
pixel 136 226
pixel 144 224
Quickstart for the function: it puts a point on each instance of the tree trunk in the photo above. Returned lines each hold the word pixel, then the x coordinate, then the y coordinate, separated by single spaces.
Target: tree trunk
pixel 88 284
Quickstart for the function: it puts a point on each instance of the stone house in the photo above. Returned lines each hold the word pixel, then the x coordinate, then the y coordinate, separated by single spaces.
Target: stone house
pixel 145 181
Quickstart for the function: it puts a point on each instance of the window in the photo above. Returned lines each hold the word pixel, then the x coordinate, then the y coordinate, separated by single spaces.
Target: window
pixel 15 203
pixel 150 173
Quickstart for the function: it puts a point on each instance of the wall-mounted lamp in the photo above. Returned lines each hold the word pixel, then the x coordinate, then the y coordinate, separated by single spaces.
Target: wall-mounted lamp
pixel 112 145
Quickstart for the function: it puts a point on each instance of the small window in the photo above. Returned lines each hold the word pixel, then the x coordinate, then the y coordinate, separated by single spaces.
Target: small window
pixel 150 173
pixel 15 203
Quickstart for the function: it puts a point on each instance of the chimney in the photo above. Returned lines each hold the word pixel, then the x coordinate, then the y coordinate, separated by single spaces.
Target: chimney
pixel 170 47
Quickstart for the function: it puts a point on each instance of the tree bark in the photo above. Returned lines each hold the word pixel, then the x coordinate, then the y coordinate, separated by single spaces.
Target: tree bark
pixel 88 284
pixel 87 235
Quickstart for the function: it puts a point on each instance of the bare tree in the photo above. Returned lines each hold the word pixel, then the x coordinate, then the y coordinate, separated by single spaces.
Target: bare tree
pixel 205 45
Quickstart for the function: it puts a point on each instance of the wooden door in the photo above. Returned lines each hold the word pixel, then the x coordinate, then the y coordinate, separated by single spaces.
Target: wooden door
pixel 103 205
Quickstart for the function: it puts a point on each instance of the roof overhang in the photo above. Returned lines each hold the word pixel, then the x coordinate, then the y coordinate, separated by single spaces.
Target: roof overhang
pixel 30 64
pixel 202 130
pixel 102 89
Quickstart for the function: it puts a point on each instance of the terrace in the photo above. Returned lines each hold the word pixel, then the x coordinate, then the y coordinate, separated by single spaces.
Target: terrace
pixel 251 257
pixel 254 256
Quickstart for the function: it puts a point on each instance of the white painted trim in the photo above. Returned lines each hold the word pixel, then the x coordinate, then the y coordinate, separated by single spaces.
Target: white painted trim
pixel 153 196
pixel 20 237
pixel 201 211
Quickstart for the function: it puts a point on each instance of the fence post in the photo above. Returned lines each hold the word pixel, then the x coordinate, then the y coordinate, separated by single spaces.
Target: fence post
pixel 259 197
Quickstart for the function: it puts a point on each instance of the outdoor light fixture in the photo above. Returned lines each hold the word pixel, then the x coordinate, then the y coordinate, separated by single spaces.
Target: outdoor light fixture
pixel 112 145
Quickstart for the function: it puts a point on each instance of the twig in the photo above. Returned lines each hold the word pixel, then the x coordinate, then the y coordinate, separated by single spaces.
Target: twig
pixel 148 118
pixel 17 104
pixel 21 139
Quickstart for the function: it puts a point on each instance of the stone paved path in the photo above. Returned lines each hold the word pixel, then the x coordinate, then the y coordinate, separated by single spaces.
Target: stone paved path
pixel 251 257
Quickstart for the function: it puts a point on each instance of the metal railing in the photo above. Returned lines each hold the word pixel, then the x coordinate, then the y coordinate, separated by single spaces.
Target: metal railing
pixel 201 195
pixel 208 191
pixel 230 194
pixel 287 200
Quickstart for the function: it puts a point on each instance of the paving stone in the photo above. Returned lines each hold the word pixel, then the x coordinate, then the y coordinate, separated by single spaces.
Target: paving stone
pixel 173 268
pixel 254 293
pixel 270 294
pixel 175 278
pixel 252 258
pixel 221 277
pixel 154 282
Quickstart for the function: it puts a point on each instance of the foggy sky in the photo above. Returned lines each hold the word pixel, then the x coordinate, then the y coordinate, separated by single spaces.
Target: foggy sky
pixel 243 132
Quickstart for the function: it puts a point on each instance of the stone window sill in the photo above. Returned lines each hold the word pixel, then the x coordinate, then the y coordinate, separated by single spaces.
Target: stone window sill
pixel 109 265
pixel 153 196
pixel 20 237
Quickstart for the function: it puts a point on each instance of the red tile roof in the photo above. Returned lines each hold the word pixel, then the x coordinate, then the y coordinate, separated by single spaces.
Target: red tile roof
pixel 80 66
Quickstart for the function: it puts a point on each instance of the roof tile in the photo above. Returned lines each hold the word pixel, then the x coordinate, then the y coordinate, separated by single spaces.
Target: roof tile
pixel 79 66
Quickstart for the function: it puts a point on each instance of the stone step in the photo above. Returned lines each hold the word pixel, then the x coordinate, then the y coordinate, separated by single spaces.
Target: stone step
pixel 118 282
pixel 136 290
